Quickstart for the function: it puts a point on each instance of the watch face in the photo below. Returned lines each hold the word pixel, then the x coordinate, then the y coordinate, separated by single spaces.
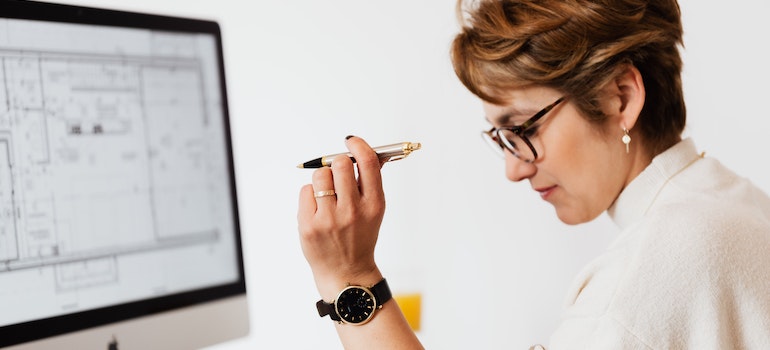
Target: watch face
pixel 355 305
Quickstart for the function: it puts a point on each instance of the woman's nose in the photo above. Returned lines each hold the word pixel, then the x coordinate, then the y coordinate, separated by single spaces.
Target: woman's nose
pixel 517 169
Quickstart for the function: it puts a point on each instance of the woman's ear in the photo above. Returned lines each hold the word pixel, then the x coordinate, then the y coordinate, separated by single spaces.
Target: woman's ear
pixel 626 96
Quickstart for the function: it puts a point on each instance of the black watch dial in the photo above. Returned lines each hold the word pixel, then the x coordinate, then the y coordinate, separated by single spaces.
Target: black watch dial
pixel 355 305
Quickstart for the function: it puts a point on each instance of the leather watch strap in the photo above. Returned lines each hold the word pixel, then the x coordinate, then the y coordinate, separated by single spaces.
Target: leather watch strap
pixel 325 308
pixel 381 292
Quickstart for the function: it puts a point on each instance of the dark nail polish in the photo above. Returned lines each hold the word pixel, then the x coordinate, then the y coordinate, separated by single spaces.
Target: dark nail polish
pixel 348 137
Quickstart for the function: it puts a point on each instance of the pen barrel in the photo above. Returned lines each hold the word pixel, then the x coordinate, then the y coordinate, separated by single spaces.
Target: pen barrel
pixel 395 151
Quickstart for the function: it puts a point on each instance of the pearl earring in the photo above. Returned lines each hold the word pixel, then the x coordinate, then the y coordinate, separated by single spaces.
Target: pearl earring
pixel 626 139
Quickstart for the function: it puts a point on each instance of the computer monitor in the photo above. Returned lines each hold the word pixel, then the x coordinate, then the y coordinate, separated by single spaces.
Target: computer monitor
pixel 118 216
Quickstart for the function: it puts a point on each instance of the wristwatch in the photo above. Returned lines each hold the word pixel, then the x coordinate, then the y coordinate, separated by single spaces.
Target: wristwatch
pixel 356 304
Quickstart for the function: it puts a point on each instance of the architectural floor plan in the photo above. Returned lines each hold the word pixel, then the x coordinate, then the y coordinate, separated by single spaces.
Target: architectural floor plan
pixel 106 160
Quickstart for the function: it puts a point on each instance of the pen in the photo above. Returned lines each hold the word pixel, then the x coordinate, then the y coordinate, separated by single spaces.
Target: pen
pixel 387 153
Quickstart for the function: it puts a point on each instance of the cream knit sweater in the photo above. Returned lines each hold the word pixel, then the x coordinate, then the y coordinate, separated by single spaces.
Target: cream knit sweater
pixel 691 269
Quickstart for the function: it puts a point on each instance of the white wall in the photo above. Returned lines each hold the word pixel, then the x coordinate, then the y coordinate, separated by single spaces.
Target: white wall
pixel 490 258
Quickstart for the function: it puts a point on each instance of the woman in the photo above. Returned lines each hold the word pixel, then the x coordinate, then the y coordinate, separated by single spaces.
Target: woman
pixel 585 102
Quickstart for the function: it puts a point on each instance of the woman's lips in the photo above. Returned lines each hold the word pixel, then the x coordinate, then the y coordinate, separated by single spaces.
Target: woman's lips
pixel 546 192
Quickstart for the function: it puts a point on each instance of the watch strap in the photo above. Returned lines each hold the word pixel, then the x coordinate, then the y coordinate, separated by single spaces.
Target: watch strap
pixel 325 308
pixel 381 292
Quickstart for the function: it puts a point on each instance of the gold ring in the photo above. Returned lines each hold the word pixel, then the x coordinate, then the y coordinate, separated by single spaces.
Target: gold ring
pixel 319 194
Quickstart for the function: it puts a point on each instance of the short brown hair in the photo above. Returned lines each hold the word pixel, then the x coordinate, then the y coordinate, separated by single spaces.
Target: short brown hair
pixel 577 47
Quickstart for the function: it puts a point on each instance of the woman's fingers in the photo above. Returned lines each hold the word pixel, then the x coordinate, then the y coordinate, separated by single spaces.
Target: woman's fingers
pixel 369 176
pixel 307 204
pixel 323 189
pixel 345 182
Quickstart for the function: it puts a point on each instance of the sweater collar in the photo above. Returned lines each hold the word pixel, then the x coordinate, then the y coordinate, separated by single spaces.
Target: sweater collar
pixel 638 196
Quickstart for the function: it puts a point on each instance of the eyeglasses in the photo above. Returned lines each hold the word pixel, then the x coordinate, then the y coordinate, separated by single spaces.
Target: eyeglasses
pixel 515 139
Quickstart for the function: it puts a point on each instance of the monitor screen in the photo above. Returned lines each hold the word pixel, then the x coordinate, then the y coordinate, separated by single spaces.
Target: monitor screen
pixel 117 191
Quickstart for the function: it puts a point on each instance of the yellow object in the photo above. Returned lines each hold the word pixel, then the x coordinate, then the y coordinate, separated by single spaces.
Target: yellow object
pixel 410 305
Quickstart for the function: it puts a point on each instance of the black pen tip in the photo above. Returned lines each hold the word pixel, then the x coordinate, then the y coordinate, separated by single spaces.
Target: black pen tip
pixel 315 163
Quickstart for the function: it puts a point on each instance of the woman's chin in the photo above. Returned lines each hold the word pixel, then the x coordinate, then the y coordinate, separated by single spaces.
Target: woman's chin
pixel 570 216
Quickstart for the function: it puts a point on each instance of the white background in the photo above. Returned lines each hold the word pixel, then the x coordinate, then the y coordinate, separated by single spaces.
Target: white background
pixel 490 258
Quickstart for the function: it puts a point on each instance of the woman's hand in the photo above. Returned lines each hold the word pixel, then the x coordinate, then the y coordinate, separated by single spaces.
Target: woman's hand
pixel 338 233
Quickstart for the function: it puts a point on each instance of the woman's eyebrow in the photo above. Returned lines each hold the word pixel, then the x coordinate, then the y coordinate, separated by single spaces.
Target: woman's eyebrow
pixel 510 116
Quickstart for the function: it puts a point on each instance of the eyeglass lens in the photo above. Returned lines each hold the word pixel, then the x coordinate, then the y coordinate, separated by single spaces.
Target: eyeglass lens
pixel 512 142
pixel 516 144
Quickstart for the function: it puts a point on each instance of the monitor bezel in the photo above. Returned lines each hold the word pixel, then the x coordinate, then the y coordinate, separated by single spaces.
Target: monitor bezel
pixel 45 328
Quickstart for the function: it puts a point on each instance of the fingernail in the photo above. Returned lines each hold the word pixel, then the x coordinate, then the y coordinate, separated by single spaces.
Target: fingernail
pixel 348 137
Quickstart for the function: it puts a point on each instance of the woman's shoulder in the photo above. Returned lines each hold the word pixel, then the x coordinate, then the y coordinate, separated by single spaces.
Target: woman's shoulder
pixel 708 201
pixel 705 237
